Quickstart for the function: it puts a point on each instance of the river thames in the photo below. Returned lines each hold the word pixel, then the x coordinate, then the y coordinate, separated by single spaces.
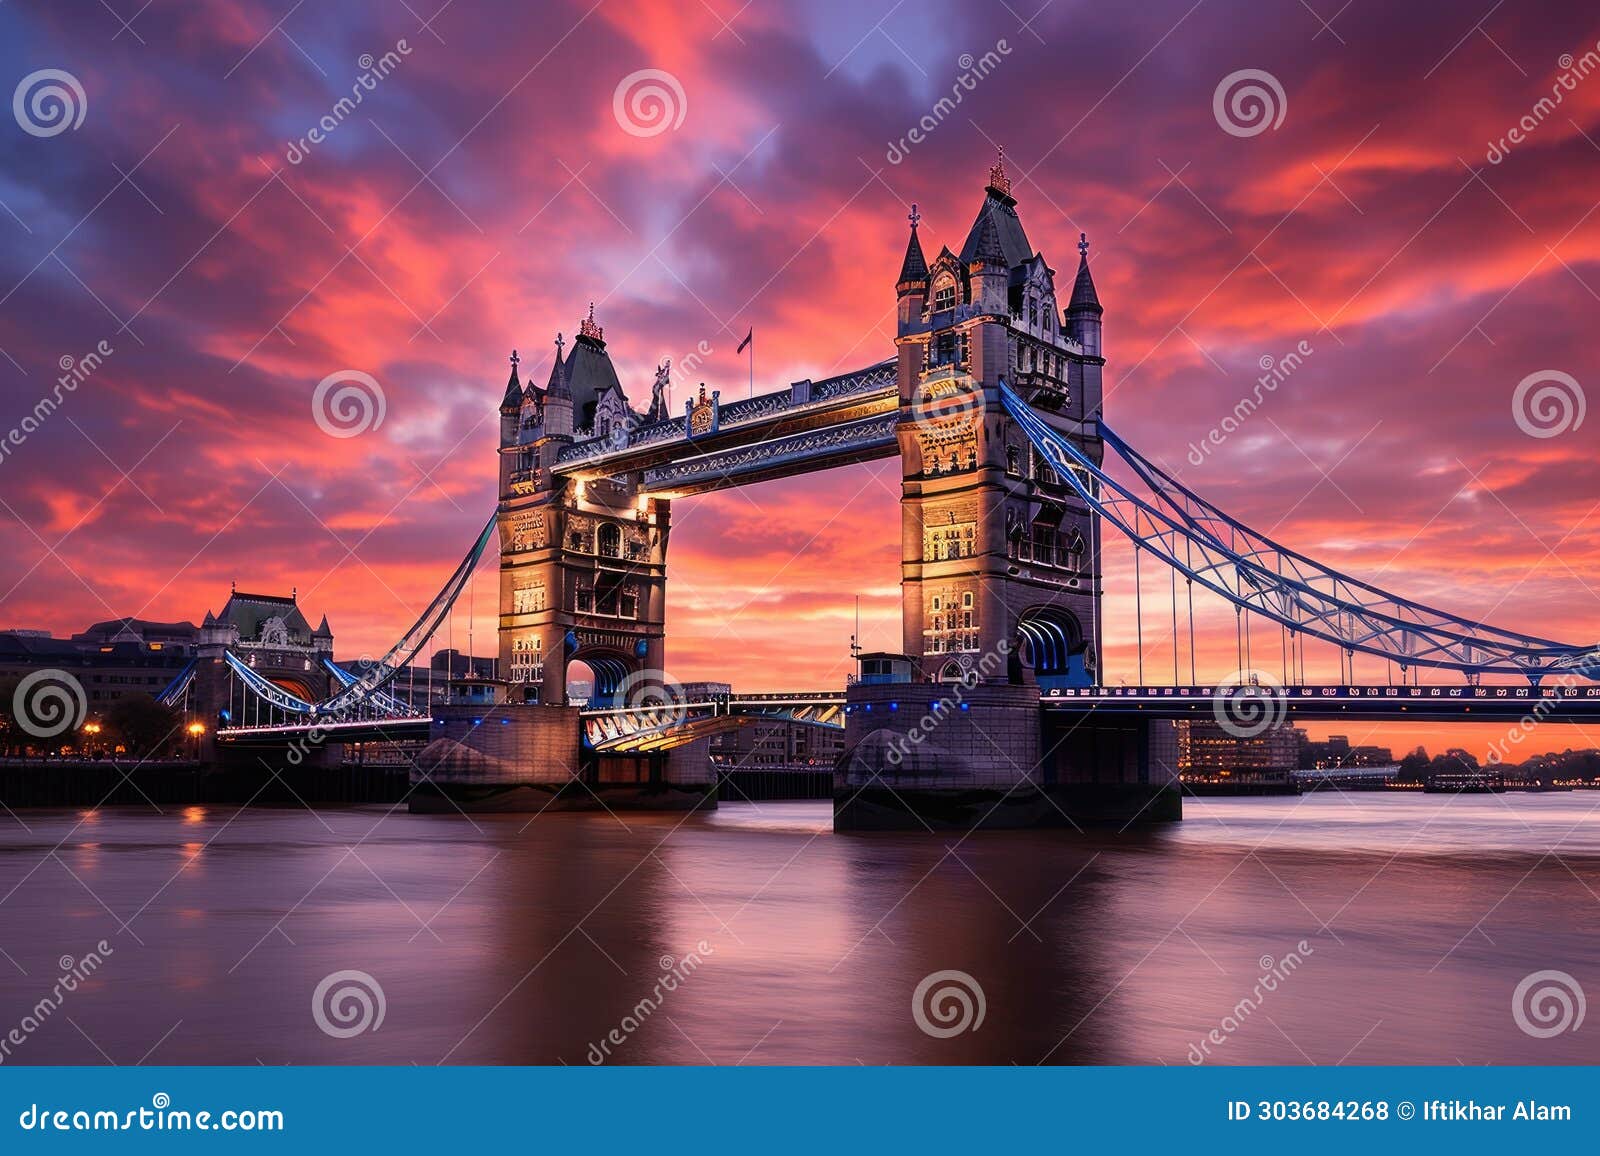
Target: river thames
pixel 1395 929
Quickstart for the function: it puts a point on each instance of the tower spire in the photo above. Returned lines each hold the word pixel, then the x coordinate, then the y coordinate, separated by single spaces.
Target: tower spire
pixel 588 328
pixel 914 269
pixel 998 180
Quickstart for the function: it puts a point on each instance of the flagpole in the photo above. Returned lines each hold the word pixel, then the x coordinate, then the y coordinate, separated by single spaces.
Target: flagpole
pixel 752 363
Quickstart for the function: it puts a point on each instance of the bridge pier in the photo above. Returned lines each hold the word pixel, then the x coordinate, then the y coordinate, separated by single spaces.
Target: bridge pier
pixel 531 757
pixel 921 756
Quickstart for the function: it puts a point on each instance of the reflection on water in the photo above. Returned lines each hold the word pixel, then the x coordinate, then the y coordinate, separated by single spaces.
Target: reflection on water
pixel 500 940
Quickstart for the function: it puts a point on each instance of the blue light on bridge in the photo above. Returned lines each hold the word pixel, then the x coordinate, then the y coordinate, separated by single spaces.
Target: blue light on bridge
pixel 892 706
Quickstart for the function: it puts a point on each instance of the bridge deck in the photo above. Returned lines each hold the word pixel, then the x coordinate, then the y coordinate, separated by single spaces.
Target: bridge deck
pixel 1502 704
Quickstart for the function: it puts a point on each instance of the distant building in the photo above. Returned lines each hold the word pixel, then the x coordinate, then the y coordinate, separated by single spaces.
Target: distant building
pixel 1210 758
pixel 110 659
pixel 768 744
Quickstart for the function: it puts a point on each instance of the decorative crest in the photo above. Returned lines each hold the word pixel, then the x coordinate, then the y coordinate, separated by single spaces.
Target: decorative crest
pixel 1083 245
pixel 561 343
pixel 515 360
pixel 589 329
pixel 914 216
pixel 997 172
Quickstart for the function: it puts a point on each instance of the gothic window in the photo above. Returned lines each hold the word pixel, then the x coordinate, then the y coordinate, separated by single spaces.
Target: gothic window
pixel 1012 465
pixel 528 599
pixel 577 540
pixel 944 349
pixel 1033 315
pixel 610 540
pixel 966 600
pixel 1044 547
pixel 966 619
pixel 944 295
pixel 936 603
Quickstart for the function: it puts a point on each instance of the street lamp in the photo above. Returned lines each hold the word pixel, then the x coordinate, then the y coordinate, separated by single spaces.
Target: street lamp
pixel 92 729
pixel 196 729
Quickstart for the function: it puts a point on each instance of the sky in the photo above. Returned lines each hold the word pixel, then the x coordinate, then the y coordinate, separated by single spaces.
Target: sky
pixel 508 167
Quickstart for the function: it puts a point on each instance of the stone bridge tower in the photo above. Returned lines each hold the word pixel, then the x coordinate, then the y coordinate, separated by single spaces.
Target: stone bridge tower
pixel 582 563
pixel 995 547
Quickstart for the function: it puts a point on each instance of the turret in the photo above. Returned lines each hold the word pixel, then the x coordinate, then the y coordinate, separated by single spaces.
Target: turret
pixel 558 398
pixel 322 637
pixel 511 406
pixel 912 286
pixel 1084 311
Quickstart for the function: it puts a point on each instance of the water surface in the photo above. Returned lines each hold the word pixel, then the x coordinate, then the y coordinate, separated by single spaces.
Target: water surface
pixel 505 939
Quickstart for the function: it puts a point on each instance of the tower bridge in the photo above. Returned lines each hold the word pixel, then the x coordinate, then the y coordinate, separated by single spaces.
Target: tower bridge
pixel 997 711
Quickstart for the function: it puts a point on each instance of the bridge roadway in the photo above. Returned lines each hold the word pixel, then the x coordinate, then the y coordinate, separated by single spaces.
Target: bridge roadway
pixel 606 728
pixel 1503 704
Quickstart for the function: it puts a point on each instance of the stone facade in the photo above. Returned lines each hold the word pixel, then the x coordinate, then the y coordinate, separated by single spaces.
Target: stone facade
pixel 995 547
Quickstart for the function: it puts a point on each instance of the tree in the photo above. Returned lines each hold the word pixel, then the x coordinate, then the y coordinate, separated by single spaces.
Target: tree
pixel 144 727
pixel 1414 767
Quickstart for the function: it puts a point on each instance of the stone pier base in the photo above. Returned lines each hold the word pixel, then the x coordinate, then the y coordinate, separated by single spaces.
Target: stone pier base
pixel 531 758
pixel 923 756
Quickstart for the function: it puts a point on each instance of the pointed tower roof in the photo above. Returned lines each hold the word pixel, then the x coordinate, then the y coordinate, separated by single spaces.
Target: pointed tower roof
pixel 323 630
pixel 1084 296
pixel 513 398
pixel 914 269
pixel 559 372
pixel 589 372
pixel 996 233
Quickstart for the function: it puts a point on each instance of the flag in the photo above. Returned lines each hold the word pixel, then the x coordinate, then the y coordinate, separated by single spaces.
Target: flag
pixel 747 339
